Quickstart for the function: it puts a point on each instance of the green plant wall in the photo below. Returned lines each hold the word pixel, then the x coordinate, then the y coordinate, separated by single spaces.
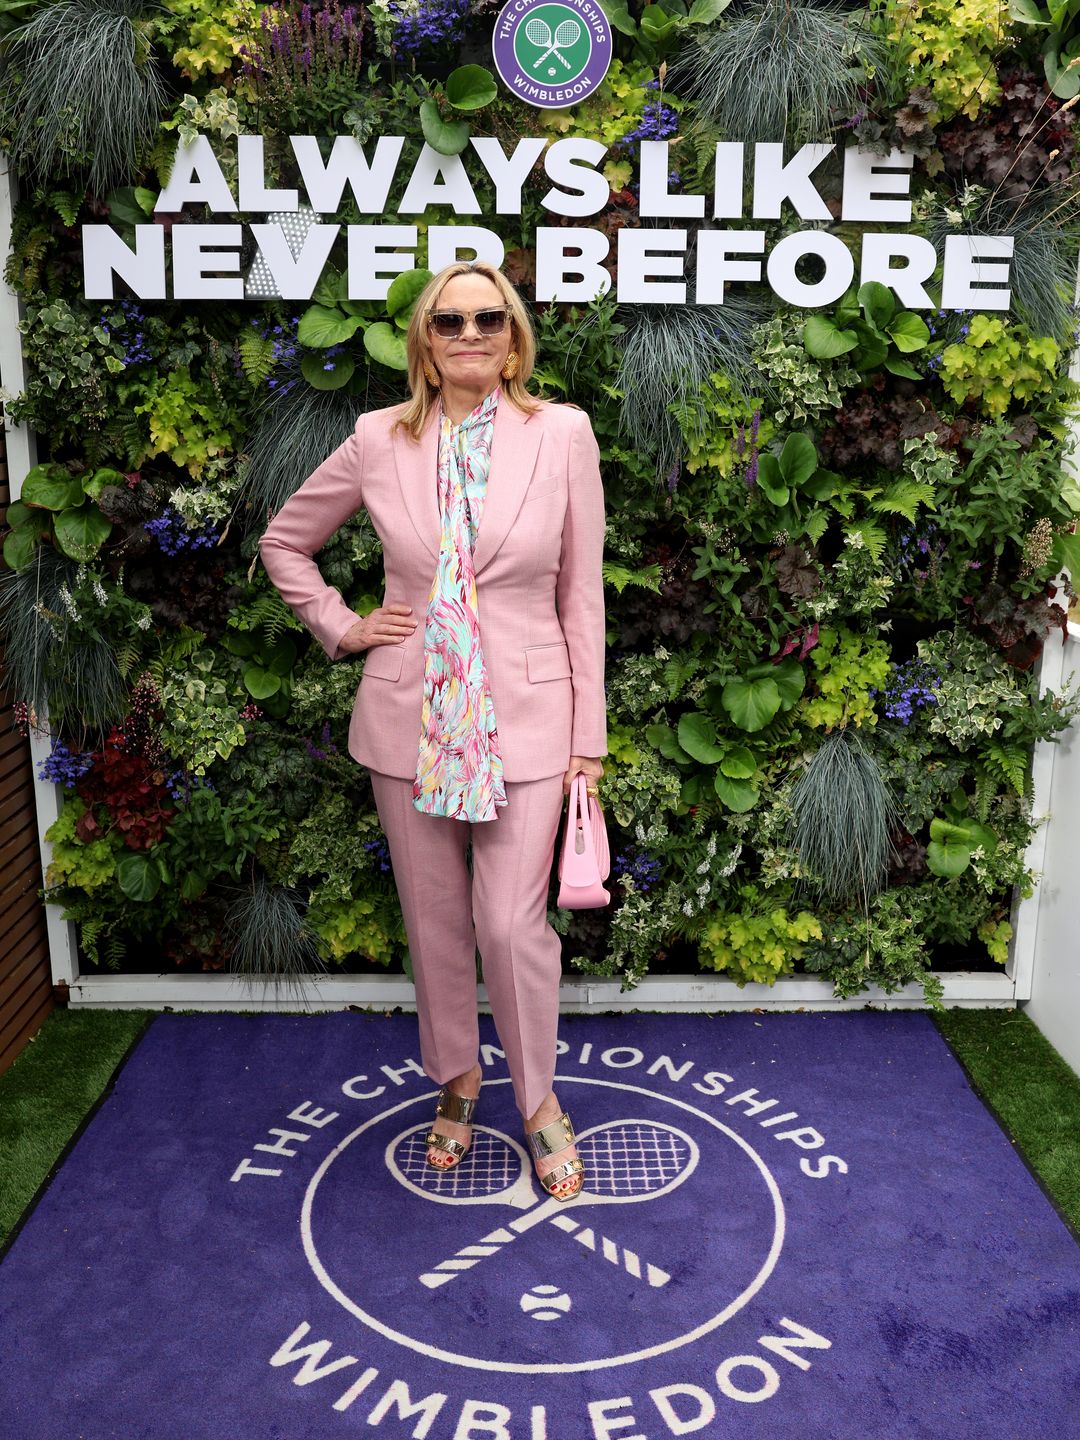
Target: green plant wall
pixel 833 535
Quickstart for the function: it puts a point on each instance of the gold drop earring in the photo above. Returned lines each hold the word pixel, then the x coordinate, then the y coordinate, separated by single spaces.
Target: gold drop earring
pixel 432 374
pixel 510 369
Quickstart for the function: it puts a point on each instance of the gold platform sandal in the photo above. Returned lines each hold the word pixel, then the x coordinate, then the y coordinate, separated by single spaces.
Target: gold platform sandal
pixel 548 1140
pixel 459 1110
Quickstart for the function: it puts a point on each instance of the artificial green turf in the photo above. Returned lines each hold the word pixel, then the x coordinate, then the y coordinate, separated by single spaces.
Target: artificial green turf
pixel 51 1087
pixel 48 1091
pixel 1033 1091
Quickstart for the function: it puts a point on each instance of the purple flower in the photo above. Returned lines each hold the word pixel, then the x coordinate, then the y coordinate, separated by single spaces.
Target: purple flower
pixel 172 534
pixel 912 687
pixel 64 766
pixel 643 869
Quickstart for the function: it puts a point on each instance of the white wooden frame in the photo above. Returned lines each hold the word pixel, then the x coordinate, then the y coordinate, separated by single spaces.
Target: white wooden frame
pixel 696 992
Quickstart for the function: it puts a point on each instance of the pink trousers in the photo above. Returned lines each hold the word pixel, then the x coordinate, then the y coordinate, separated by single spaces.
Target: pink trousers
pixel 501 908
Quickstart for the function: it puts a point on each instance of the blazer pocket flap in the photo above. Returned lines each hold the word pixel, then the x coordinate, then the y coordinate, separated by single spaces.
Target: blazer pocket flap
pixel 542 485
pixel 384 661
pixel 548 662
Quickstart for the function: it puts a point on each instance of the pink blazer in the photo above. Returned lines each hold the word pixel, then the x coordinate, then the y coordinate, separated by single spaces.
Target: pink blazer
pixel 540 593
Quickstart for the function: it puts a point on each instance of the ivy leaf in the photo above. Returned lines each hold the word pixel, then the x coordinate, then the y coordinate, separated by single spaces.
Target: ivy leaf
pixel 138 877
pixel 824 340
pixel 737 795
pixel 751 703
pixel 321 327
pixel 470 87
pixel 697 736
pixel 448 137
pixel 909 332
pixel 313 369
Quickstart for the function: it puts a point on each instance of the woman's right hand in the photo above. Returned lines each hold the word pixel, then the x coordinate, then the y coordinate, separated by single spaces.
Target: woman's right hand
pixel 385 625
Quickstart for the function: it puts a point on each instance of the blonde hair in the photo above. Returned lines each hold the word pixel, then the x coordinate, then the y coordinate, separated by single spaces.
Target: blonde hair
pixel 415 412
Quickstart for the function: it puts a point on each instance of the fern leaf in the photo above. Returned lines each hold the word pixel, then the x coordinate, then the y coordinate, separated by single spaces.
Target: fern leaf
pixel 620 577
pixel 1009 764
pixel 873 536
pixel 904 498
pixel 256 356
pixel 127 657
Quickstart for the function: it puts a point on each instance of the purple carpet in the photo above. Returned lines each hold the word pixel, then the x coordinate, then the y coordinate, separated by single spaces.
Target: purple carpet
pixel 795 1225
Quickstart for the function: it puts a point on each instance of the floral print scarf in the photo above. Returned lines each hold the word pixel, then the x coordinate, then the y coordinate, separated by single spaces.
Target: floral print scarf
pixel 459 769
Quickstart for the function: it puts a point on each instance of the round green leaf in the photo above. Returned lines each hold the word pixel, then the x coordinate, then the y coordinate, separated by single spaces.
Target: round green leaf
pixel 192 884
pixel 697 736
pixel 261 683
pixel 770 481
pixel 798 460
pixel 320 327
pixel 81 533
pixel 790 679
pixel 384 344
pixel 751 703
pixel 470 86
pixel 20 514
pixel 737 795
pixel 738 763
pixel 313 368
pixel 138 877
pixel 95 483
pixel 877 300
pixel 703 12
pixel 404 292
pixel 19 548
pixel 664 739
pixel 947 860
pixel 51 488
pixel 909 332
pixel 824 340
pixel 448 137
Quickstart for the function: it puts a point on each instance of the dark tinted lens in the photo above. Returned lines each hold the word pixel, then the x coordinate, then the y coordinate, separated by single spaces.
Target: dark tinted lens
pixel 490 322
pixel 447 323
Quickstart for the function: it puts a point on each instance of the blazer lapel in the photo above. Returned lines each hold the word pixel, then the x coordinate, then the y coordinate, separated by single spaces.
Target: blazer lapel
pixel 515 441
pixel 417 474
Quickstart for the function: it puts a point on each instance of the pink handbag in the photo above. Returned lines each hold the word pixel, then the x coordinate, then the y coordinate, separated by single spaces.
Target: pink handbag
pixel 585 859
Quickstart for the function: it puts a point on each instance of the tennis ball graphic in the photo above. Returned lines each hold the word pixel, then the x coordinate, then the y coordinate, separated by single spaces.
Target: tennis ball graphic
pixel 544 1302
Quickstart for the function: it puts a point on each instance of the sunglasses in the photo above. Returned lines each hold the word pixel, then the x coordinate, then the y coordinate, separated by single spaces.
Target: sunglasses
pixel 449 324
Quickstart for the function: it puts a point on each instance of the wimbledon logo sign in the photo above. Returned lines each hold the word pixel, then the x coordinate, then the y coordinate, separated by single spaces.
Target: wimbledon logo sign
pixel 551 53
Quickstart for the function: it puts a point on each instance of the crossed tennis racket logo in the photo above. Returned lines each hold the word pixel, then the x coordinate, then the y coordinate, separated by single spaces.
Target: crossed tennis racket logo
pixel 567 32
pixel 626 1161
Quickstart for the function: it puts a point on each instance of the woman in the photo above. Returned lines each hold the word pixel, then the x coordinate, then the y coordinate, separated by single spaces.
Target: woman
pixel 483 688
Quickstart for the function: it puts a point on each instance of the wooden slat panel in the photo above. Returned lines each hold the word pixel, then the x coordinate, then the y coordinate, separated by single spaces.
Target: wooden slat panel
pixel 15 976
pixel 17 806
pixel 26 993
pixel 24 1016
pixel 25 939
pixel 33 1018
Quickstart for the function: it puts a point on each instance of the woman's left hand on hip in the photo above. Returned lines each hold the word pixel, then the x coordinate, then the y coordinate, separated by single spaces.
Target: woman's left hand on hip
pixel 582 764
